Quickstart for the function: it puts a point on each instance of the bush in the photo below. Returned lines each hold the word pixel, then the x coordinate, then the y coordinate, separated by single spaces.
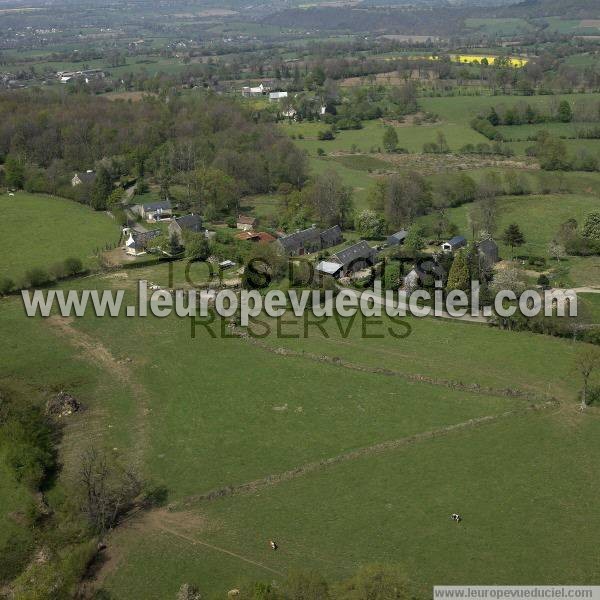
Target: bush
pixel 579 246
pixel 326 135
pixel 543 281
pixel 36 277
pixel 73 266
pixel 536 261
pixel 7 285
pixel 484 127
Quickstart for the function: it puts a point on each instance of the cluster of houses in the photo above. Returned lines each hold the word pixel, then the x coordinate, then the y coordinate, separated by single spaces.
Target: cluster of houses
pixel 137 242
pixel 86 75
pixel 249 91
pixel 342 263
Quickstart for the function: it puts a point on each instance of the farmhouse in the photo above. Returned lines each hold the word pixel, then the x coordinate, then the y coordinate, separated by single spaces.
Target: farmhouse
pixel 331 237
pixel 188 223
pixel 454 244
pixel 354 258
pixel 138 242
pixel 250 92
pixel 397 239
pixel 154 211
pixel 310 240
pixel 276 96
pixel 83 178
pixel 246 223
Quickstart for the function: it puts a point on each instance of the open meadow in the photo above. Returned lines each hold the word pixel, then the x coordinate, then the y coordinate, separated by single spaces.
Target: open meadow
pixel 201 414
pixel 39 231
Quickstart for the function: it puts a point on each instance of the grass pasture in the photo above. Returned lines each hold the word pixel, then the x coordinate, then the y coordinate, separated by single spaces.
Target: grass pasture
pixel 193 413
pixel 539 217
pixel 41 230
pixel 499 26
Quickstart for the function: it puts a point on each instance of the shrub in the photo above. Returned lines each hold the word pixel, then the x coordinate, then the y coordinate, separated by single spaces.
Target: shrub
pixel 326 135
pixel 7 285
pixel 484 127
pixel 579 246
pixel 72 266
pixel 36 277
pixel 543 281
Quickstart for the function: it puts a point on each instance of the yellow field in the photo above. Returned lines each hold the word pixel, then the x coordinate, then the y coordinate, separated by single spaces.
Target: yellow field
pixel 477 58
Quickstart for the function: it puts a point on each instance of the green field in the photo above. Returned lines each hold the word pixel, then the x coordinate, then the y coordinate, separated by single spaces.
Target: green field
pixel 499 26
pixel 42 230
pixel 526 132
pixel 539 217
pixel 203 413
pixel 369 138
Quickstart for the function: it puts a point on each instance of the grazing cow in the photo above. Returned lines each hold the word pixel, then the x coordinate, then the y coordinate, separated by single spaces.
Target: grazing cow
pixel 273 545
pixel 456 517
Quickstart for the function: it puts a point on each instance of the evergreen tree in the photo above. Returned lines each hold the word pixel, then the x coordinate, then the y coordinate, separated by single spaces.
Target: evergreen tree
pixel 14 173
pixel 390 139
pixel 565 114
pixel 101 189
pixel 513 237
pixel 458 278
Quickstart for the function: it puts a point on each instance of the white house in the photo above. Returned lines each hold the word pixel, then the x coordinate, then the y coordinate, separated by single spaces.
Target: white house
pixel 253 91
pixel 138 242
pixel 154 211
pixel 276 96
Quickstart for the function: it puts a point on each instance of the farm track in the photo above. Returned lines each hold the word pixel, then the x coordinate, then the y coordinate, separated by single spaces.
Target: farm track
pixel 320 465
pixel 96 353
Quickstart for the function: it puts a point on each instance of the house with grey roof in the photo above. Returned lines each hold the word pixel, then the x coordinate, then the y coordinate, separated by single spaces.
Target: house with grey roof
pixel 349 260
pixel 456 243
pixel 397 239
pixel 154 211
pixel 179 226
pixel 424 274
pixel 488 252
pixel 310 240
pixel 331 237
pixel 138 242
pixel 301 242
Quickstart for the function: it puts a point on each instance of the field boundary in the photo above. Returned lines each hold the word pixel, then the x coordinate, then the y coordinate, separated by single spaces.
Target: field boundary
pixel 336 361
pixel 319 465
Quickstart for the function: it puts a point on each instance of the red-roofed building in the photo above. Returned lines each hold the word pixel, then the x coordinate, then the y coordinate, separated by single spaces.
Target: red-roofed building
pixel 261 237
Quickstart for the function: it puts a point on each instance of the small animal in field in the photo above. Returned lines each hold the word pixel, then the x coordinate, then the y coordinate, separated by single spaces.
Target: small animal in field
pixel 273 545
pixel 456 517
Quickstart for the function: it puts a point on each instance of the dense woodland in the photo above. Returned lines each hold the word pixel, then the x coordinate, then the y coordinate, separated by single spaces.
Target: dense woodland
pixel 50 135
